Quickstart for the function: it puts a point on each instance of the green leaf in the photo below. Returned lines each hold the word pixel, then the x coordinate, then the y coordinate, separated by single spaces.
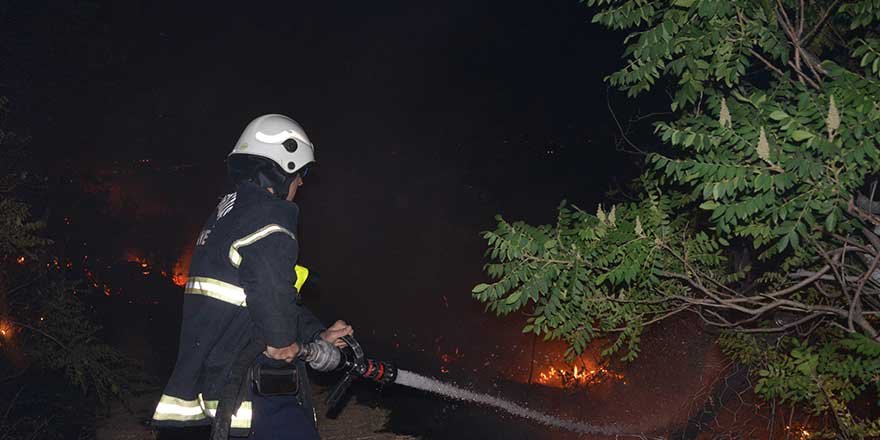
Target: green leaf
pixel 831 221
pixel 479 288
pixel 513 298
pixel 801 135
pixel 778 115
pixel 709 205
pixel 782 244
pixel 549 244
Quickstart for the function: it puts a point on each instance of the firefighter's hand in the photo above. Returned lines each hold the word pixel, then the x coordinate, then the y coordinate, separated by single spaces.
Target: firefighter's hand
pixel 286 354
pixel 337 331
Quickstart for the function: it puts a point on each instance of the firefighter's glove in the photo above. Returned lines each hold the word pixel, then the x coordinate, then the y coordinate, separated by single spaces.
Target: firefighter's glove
pixel 321 355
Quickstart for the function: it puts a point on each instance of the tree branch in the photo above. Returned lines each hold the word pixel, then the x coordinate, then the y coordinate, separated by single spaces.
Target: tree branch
pixel 36 330
pixel 807 274
pixel 767 63
pixel 819 24
pixel 782 328
pixel 620 127
pixel 856 306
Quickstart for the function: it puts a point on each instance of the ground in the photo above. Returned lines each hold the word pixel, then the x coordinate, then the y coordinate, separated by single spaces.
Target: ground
pixel 358 422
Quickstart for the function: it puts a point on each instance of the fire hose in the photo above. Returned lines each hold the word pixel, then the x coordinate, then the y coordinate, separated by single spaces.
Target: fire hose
pixel 354 365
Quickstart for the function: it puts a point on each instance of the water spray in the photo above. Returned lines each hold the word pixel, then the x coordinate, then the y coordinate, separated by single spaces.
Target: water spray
pixel 355 365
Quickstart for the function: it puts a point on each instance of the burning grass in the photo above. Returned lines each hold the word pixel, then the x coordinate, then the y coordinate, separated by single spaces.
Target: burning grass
pixel 583 372
pixel 577 376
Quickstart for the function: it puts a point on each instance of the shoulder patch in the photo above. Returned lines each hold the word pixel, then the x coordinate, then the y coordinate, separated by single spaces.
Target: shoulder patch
pixel 226 204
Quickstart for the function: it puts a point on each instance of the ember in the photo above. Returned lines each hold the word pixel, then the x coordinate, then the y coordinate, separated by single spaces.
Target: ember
pixel 798 432
pixel 176 276
pixel 584 373
pixel 6 330
pixel 181 268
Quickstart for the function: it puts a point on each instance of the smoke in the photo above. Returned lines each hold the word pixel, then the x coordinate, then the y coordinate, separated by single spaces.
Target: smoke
pixel 413 380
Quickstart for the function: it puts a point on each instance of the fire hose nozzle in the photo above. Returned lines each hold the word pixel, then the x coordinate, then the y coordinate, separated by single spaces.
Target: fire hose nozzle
pixel 355 365
pixel 379 371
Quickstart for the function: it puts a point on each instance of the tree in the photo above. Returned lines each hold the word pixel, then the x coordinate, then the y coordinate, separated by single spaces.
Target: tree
pixel 48 340
pixel 758 214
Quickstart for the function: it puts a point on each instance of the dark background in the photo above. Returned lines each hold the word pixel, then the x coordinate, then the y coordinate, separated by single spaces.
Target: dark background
pixel 428 117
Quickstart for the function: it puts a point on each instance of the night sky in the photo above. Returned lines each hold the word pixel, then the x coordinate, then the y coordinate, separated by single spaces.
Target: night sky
pixel 428 118
pixel 134 79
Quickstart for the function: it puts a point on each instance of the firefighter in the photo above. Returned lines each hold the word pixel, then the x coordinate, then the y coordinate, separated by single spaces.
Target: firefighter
pixel 244 336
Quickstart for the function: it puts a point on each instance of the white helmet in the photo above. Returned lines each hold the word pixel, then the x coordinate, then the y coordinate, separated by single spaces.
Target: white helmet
pixel 279 139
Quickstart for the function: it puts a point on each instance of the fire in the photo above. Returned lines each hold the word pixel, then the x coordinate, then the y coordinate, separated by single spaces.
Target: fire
pixel 141 261
pixel 585 374
pixel 178 274
pixel 800 433
pixel 6 330
pixel 20 260
pixel 181 269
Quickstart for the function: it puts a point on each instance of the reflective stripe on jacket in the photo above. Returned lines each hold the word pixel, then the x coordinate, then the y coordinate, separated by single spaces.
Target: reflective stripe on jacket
pixel 241 288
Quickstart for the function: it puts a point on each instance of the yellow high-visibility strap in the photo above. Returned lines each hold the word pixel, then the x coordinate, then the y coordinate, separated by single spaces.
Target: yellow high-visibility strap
pixel 177 409
pixel 241 419
pixel 260 234
pixel 216 289
pixel 302 274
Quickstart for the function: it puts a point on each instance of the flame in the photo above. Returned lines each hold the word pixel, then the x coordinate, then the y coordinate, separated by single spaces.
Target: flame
pixel 177 275
pixel 583 372
pixel 181 267
pixel 6 330
pixel 20 260
pixel 133 257
pixel 799 432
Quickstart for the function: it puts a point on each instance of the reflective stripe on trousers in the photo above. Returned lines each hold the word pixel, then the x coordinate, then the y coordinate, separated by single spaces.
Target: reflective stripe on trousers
pixel 172 408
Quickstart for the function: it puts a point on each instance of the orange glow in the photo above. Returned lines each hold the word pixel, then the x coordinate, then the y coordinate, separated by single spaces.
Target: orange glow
pixel 20 260
pixel 583 372
pixel 177 275
pixel 144 264
pixel 181 267
pixel 6 330
pixel 799 433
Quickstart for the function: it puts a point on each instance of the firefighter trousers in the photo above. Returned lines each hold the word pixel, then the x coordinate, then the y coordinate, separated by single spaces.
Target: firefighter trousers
pixel 281 418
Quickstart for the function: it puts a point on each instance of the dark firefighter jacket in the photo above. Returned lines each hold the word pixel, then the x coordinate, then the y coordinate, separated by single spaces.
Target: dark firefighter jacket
pixel 240 289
